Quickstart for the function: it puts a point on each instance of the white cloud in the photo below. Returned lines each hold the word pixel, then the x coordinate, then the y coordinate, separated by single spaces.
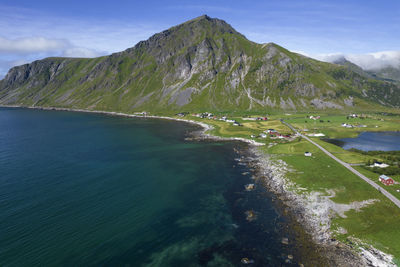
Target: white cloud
pixel 28 35
pixel 15 52
pixel 330 57
pixel 376 61
pixel 32 45
pixel 368 61
pixel 81 52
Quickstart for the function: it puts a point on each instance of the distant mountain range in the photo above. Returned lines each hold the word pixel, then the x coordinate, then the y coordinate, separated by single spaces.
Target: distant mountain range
pixel 202 64
pixel 388 73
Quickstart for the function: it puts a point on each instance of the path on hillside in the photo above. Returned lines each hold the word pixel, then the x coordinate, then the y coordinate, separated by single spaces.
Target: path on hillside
pixel 392 198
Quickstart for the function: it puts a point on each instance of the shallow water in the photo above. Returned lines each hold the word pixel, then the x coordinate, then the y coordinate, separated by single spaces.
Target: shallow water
pixel 89 189
pixel 371 141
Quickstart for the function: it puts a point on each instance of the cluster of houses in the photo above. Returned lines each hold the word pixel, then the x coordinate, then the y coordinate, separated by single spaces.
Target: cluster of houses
pixel 210 116
pixel 204 115
pixel 273 134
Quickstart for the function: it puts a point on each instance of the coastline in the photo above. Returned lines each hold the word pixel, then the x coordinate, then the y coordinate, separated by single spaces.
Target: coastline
pixel 205 126
pixel 301 208
pixel 314 212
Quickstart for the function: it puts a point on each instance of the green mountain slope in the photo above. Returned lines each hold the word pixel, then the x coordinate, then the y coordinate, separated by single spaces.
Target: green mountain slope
pixel 352 67
pixel 202 64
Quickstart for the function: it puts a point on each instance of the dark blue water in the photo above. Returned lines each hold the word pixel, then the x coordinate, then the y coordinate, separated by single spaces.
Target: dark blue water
pixel 369 141
pixel 84 189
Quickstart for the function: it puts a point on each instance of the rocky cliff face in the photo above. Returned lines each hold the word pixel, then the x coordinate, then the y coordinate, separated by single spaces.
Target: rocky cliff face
pixel 202 64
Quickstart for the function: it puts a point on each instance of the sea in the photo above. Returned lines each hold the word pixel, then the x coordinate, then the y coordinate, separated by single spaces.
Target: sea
pixel 79 189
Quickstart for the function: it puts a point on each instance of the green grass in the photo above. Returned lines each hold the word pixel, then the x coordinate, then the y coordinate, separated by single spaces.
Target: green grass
pixel 342 154
pixel 320 172
pixel 375 177
pixel 375 224
pixel 333 128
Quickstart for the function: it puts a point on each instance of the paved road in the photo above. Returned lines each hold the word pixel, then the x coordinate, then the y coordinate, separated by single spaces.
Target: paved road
pixel 395 200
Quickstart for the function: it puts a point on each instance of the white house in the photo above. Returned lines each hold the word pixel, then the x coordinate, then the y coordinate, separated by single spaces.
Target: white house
pixel 316 134
pixel 379 165
pixel 307 154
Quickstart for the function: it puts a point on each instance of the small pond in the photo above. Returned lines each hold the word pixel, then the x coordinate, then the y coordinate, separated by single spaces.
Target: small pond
pixel 368 141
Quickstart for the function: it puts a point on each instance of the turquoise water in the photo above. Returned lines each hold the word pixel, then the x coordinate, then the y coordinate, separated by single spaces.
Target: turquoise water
pixel 82 189
pixel 371 141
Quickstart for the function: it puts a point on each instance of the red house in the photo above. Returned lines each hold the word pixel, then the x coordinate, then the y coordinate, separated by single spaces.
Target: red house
pixel 386 180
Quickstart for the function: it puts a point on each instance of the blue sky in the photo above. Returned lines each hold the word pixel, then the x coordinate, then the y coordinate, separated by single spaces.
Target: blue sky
pixel 361 29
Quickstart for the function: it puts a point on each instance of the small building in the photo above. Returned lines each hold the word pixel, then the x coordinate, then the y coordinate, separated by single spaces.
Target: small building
pixel 316 134
pixel 379 165
pixel 386 180
pixel 249 119
pixel 262 118
pixel 307 154
pixel 270 131
pixel 347 125
pixel 263 135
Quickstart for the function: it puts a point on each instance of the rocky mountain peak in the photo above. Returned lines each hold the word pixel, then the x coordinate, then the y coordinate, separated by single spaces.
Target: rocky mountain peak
pixel 188 32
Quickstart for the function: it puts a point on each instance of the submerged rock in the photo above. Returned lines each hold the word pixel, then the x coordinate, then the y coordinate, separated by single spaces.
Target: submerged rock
pixel 247 261
pixel 251 215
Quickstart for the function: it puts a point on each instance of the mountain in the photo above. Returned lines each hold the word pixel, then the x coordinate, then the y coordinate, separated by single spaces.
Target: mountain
pixel 202 64
pixel 387 73
pixel 352 67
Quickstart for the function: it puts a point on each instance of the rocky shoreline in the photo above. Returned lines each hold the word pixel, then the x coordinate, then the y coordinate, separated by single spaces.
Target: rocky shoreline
pixel 313 212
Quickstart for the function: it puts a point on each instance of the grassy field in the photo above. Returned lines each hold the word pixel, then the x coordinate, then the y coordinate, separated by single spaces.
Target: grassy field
pixel 375 177
pixel 345 155
pixel 331 125
pixel 376 224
